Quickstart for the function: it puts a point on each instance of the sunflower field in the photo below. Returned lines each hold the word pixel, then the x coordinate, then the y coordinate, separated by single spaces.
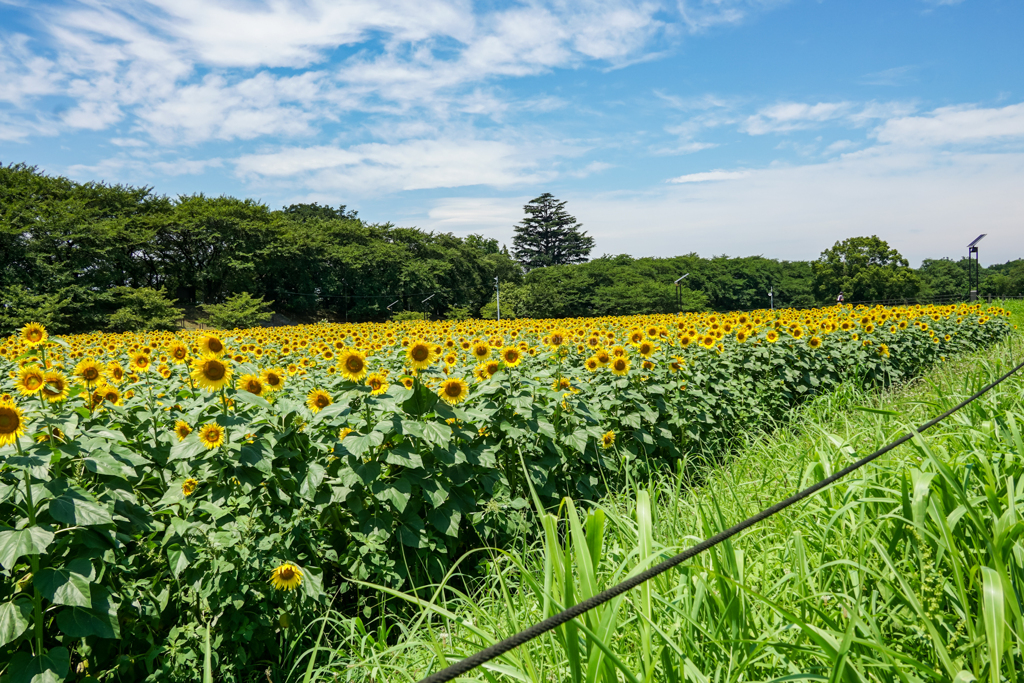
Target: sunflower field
pixel 176 502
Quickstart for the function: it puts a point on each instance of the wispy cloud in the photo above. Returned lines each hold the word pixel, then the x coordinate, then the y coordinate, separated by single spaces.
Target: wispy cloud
pixel 898 75
pixel 709 176
pixel 953 125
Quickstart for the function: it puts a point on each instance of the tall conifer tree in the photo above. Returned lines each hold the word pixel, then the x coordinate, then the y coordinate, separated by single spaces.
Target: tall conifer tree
pixel 549 236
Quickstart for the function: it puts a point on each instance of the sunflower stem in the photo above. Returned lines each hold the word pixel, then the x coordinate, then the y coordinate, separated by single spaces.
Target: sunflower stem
pixel 37 598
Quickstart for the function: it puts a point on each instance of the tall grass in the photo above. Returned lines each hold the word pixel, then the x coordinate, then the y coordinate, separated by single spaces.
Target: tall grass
pixel 908 570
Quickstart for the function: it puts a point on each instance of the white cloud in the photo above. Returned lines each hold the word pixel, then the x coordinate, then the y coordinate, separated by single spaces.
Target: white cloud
pixel 950 125
pixel 708 176
pixel 897 75
pixel 408 165
pixel 489 216
pixel 926 203
pixel 789 116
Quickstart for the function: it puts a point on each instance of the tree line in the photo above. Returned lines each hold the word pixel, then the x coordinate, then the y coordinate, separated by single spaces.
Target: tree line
pixel 92 256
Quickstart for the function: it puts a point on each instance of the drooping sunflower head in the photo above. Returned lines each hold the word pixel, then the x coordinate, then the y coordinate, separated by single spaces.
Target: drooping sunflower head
pixel 211 435
pixel 55 387
pixel 421 355
pixel 12 423
pixel 620 366
pixel 353 365
pixel 181 429
pixel 210 344
pixel 608 439
pixel 286 577
pixel 453 390
pixel 89 371
pixel 251 384
pixel 31 380
pixel 34 334
pixel 511 356
pixel 378 383
pixel 189 486
pixel 211 372
pixel 318 399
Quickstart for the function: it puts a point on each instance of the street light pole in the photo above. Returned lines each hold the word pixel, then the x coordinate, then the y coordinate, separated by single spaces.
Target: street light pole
pixel 497 288
pixel 974 267
pixel 679 290
pixel 428 299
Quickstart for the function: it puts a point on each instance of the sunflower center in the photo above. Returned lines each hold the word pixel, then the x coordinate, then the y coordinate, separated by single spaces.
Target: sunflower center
pixel 215 345
pixel 214 370
pixel 8 421
pixel 323 401
pixel 420 353
pixel 34 335
pixel 287 574
pixel 354 364
pixel 33 383
pixel 90 374
pixel 453 389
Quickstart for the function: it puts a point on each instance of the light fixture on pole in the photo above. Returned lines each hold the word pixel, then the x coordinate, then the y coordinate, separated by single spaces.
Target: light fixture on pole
pixel 974 267
pixel 771 298
pixel 428 299
pixel 679 290
pixel 392 304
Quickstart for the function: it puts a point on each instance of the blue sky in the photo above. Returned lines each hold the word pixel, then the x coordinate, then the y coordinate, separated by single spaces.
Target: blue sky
pixel 733 127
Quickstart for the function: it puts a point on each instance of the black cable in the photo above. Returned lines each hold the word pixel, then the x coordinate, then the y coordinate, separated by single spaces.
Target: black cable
pixel 512 642
pixel 354 296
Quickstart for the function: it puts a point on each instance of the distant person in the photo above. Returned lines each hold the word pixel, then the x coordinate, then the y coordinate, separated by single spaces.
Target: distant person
pixel 840 299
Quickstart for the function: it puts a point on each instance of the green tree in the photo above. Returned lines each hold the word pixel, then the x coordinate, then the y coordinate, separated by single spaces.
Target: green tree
pixel 143 308
pixel 239 311
pixel 942 278
pixel 549 236
pixel 864 269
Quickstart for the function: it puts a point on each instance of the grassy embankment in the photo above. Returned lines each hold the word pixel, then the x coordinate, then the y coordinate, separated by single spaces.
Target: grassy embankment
pixel 904 571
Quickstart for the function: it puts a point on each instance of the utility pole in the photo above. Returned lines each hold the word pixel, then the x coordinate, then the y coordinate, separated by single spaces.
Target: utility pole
pixel 497 288
pixel 428 299
pixel 679 290
pixel 771 298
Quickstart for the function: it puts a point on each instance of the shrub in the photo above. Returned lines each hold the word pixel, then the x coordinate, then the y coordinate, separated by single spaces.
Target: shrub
pixel 402 316
pixel 239 311
pixel 143 309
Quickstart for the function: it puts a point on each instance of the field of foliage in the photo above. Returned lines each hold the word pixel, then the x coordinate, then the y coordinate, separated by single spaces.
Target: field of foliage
pixel 172 503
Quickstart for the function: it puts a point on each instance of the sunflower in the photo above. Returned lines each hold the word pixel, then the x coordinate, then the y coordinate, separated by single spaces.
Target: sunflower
pixel 353 365
pixel 453 390
pixel 188 487
pixel 408 382
pixel 620 366
pixel 883 350
pixel 591 364
pixel 211 345
pixel 481 350
pixel 31 381
pixel 140 362
pixel 511 356
pixel 603 357
pixel 89 371
pixel 110 394
pixel 212 435
pixel 480 372
pixel 33 334
pixel 286 577
pixel 115 371
pixel 741 336
pixel 178 351
pixel 608 439
pixel 492 367
pixel 181 429
pixel 250 383
pixel 318 399
pixel 273 378
pixel 210 372
pixel 772 336
pixel 378 384
pixel 646 348
pixel 421 355
pixel 558 337
pixel 343 432
pixel 676 364
pixel 814 342
pixel 12 423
